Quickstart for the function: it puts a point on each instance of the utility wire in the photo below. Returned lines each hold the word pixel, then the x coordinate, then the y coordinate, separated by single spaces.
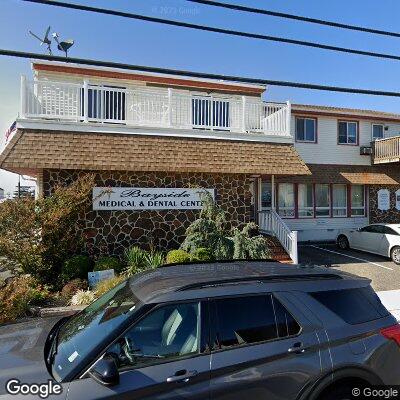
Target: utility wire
pixel 214 29
pixel 193 74
pixel 237 7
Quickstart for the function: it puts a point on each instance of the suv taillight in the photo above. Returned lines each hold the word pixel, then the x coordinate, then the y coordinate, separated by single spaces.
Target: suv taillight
pixel 393 333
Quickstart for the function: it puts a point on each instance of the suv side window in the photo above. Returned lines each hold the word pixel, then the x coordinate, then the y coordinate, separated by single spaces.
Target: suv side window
pixel 168 332
pixel 354 306
pixel 251 319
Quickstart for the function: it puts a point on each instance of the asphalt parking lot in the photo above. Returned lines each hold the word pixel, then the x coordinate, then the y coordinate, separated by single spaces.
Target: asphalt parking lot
pixel 385 275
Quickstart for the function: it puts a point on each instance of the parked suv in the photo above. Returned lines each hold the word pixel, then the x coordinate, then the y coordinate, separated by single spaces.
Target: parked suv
pixel 256 330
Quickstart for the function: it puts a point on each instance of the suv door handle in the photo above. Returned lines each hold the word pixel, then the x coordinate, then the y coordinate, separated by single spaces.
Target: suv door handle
pixel 297 348
pixel 182 376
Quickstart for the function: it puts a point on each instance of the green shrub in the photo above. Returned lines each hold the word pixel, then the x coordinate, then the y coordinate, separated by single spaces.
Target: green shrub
pixel 177 256
pixel 18 295
pixel 108 262
pixel 75 267
pixel 154 260
pixel 202 254
pixel 72 287
pixel 135 259
pixel 106 285
pixel 139 260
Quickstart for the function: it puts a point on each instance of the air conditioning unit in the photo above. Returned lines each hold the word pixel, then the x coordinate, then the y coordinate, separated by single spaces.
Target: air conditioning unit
pixel 365 150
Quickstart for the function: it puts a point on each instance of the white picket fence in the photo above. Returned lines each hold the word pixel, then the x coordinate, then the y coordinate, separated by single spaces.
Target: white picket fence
pixel 152 107
pixel 270 222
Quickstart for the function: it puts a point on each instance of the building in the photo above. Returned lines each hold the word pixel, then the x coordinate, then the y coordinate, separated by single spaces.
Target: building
pixel 24 191
pixel 301 172
pixel 352 157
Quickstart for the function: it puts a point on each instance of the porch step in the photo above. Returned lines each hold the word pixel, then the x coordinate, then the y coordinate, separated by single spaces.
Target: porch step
pixel 277 251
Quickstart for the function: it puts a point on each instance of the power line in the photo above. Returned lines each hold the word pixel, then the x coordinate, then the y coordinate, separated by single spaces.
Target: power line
pixel 214 29
pixel 193 74
pixel 237 7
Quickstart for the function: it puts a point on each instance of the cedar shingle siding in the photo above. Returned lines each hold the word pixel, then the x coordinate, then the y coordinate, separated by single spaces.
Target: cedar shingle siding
pixel 30 151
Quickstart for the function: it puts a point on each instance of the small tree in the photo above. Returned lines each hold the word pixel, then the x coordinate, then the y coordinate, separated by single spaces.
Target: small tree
pixel 209 231
pixel 37 236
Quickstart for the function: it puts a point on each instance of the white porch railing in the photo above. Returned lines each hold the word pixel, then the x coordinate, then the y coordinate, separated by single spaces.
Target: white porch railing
pixel 386 150
pixel 270 222
pixel 152 107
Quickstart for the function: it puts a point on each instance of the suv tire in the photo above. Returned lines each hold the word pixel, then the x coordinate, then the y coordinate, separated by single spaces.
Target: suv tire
pixel 395 254
pixel 343 242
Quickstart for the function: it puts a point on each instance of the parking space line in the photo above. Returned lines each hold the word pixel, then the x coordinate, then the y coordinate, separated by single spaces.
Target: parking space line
pixel 348 256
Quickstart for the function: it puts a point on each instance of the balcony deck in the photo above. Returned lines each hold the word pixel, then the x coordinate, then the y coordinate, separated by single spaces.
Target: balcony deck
pixel 165 109
pixel 386 150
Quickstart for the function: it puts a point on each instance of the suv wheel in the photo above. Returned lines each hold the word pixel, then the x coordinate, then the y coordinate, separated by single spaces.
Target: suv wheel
pixel 395 255
pixel 343 242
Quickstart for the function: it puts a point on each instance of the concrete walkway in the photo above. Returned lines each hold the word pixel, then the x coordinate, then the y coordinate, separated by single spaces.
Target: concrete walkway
pixel 391 300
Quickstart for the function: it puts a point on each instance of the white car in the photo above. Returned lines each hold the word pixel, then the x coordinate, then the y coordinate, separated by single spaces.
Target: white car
pixel 382 239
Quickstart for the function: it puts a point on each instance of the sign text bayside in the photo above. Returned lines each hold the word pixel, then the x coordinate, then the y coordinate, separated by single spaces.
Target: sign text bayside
pixel 128 198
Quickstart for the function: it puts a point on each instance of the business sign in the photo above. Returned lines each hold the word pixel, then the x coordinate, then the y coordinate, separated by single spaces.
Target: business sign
pixel 132 198
pixel 97 276
pixel 383 199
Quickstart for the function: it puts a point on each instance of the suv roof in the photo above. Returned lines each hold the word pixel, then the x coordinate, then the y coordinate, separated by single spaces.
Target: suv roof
pixel 193 276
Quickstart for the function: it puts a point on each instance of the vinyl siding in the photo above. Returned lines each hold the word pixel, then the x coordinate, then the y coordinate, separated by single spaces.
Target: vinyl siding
pixel 328 151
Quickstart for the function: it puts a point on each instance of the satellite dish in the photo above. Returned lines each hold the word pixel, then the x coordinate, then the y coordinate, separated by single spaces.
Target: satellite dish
pixel 64 45
pixel 45 39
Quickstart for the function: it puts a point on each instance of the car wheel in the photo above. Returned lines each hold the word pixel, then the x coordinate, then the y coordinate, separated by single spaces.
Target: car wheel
pixel 343 242
pixel 395 255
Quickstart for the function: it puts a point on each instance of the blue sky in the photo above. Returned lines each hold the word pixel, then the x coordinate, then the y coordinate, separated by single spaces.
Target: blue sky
pixel 118 39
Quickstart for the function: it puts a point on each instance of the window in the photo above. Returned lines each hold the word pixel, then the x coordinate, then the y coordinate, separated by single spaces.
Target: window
pixel 169 332
pixel 389 231
pixel 339 200
pixel 286 324
pixel 348 132
pixel 377 131
pixel 286 200
pixel 354 306
pixel 306 200
pixel 306 130
pixel 372 229
pixel 252 319
pixel 322 200
pixel 357 201
pixel 266 195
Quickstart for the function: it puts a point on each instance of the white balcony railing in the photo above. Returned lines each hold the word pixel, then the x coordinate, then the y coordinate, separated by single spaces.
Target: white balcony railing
pixel 270 222
pixel 386 150
pixel 151 107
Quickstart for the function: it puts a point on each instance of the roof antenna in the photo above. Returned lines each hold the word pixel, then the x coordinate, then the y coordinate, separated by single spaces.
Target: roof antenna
pixel 64 45
pixel 45 40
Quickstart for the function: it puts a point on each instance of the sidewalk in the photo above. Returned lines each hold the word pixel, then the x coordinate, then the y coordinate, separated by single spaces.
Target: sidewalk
pixel 391 300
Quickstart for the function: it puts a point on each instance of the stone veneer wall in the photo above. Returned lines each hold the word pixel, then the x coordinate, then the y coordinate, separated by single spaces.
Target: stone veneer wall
pixel 111 232
pixel 391 216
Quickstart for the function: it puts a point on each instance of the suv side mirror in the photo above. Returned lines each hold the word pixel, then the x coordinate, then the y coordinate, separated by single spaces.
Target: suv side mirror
pixel 105 371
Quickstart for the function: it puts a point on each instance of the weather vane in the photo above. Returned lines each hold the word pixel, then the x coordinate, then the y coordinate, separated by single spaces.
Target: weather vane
pixel 62 45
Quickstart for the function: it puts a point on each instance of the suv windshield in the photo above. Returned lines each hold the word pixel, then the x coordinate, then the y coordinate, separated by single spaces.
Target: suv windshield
pixel 89 329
